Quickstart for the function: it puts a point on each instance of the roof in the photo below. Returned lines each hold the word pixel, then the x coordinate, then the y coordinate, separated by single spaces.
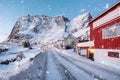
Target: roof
pixel 86 44
pixel 118 3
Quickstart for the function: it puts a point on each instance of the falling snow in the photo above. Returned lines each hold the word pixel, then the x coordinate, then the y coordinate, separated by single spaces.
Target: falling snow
pixel 106 6
pixel 35 51
pixel 22 1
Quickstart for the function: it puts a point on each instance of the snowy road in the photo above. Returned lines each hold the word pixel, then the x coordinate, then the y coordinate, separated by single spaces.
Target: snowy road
pixel 72 68
pixel 36 71
pixel 54 65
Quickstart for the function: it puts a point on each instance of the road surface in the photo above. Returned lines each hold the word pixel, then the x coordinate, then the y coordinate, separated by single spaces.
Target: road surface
pixel 54 65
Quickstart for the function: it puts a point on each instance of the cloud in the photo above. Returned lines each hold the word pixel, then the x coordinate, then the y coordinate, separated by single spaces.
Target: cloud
pixel 106 6
pixel 82 10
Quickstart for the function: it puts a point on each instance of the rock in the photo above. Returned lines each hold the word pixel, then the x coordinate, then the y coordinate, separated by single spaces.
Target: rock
pixel 6 62
pixel 3 50
pixel 19 57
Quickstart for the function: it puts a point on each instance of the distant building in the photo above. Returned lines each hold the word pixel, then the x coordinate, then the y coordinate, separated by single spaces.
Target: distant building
pixel 105 32
pixel 83 48
pixel 70 42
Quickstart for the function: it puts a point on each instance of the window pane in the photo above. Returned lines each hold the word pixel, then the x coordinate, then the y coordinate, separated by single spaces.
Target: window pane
pixel 112 31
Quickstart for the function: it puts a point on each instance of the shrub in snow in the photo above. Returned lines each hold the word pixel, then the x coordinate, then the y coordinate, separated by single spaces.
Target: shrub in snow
pixel 31 59
pixel 3 50
pixel 6 62
pixel 19 57
pixel 26 44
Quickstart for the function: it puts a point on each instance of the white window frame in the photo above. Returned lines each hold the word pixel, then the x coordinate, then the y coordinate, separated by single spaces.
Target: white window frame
pixel 103 32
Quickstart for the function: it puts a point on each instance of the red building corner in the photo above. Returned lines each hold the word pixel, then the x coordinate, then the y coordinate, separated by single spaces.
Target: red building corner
pixel 105 32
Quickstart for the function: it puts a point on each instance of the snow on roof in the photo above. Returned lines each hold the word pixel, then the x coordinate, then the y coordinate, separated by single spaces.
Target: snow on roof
pixel 86 44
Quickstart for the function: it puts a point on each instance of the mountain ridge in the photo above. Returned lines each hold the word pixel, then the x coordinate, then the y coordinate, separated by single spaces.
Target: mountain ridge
pixel 39 28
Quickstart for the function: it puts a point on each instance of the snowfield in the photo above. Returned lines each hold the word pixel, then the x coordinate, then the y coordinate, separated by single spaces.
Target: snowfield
pixel 55 64
pixel 19 59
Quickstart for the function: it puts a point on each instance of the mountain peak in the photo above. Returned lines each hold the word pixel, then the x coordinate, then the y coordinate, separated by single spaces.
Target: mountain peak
pixel 29 27
pixel 37 28
pixel 79 26
pixel 81 21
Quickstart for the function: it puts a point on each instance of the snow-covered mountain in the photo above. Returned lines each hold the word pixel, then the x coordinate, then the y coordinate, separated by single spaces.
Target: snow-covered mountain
pixel 38 28
pixel 42 30
pixel 79 26
pixel 45 29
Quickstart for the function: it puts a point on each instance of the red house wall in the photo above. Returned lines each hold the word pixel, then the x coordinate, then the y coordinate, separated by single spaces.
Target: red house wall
pixel 96 33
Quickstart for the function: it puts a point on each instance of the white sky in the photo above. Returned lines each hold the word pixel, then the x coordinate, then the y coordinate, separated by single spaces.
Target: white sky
pixel 2 37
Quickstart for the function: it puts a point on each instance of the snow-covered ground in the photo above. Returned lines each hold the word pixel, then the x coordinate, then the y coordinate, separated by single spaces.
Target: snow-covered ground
pixel 90 70
pixel 54 64
pixel 43 61
pixel 19 59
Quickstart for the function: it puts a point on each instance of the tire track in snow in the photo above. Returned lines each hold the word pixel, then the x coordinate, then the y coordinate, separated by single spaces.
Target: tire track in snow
pixel 93 65
pixel 52 72
pixel 45 68
pixel 75 71
pixel 64 71
pixel 98 77
pixel 99 72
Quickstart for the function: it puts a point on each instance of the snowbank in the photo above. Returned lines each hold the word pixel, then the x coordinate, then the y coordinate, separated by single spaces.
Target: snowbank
pixel 16 65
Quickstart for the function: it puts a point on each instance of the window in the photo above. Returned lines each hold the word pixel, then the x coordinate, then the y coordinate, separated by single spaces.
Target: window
pixel 113 54
pixel 112 31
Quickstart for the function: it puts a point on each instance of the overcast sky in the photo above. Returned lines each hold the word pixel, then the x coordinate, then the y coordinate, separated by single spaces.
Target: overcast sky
pixel 12 10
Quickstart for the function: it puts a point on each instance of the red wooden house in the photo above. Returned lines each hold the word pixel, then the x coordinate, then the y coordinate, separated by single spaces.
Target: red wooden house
pixel 105 32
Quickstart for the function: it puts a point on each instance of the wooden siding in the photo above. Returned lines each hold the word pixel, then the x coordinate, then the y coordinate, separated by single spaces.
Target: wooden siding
pixel 96 34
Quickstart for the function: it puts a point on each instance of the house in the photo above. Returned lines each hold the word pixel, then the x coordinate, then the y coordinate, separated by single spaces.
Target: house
pixel 70 42
pixel 105 32
pixel 83 48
